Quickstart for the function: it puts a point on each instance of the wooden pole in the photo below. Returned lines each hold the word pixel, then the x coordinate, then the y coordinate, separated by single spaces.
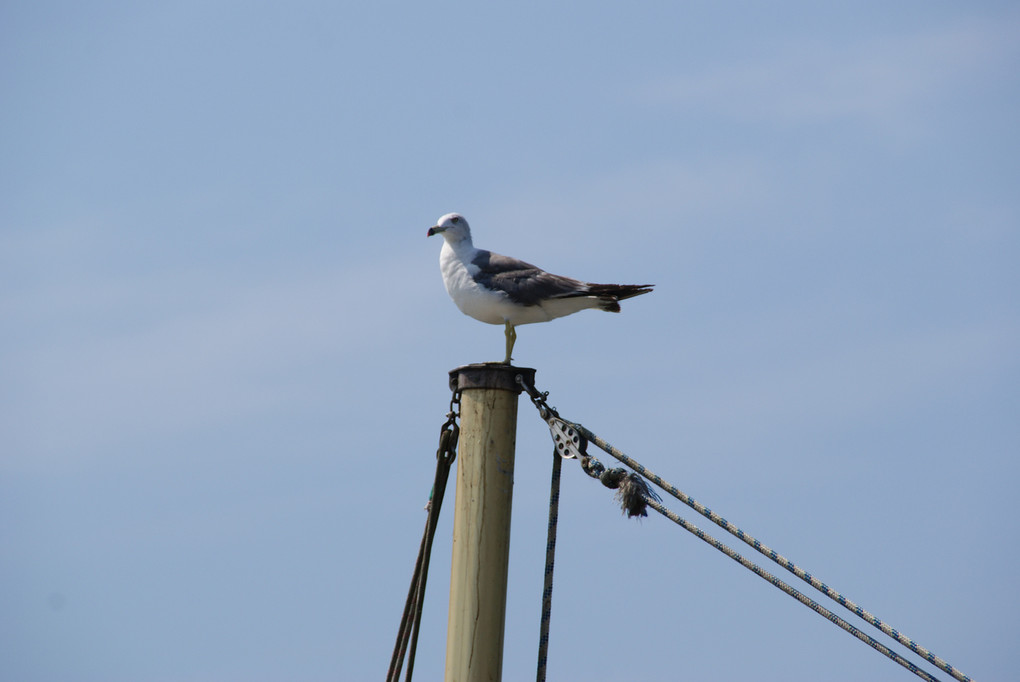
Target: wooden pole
pixel 481 523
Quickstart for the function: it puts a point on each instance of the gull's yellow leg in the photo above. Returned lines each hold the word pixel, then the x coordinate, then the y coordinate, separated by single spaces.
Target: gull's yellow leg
pixel 511 337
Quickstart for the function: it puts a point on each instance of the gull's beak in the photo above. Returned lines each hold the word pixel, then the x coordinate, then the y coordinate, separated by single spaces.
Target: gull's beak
pixel 435 229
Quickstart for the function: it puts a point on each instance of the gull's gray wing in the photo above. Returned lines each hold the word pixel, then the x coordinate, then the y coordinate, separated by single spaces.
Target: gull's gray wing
pixel 522 282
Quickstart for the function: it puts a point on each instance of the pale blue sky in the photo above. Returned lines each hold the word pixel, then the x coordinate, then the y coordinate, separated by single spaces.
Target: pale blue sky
pixel 225 339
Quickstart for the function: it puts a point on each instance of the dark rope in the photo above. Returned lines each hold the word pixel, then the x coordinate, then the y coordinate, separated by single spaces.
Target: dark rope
pixel 550 561
pixel 407 619
pixel 407 635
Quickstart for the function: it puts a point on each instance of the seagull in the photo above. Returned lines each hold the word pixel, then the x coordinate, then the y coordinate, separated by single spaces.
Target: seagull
pixel 501 290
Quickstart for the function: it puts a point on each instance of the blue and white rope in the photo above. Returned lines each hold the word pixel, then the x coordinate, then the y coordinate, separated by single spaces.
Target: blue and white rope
pixel 771 554
pixel 802 598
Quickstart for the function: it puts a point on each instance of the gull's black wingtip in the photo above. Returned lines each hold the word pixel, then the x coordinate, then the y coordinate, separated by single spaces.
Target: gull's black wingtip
pixel 610 295
pixel 619 292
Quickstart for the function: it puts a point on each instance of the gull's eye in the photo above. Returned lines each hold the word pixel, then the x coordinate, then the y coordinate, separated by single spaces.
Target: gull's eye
pixel 455 219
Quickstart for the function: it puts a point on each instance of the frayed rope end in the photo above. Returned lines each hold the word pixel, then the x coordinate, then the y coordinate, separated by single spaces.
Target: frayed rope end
pixel 631 490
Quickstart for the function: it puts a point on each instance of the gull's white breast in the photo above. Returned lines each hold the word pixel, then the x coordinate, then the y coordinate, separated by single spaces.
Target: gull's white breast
pixel 474 300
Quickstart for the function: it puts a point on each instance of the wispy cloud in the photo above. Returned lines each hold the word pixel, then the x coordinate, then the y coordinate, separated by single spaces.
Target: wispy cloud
pixel 866 381
pixel 888 81
pixel 632 204
pixel 182 350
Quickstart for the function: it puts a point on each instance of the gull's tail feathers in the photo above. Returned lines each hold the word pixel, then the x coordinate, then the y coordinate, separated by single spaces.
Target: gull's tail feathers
pixel 610 295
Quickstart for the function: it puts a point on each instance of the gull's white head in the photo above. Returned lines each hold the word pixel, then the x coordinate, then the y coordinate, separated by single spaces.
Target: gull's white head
pixel 453 227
